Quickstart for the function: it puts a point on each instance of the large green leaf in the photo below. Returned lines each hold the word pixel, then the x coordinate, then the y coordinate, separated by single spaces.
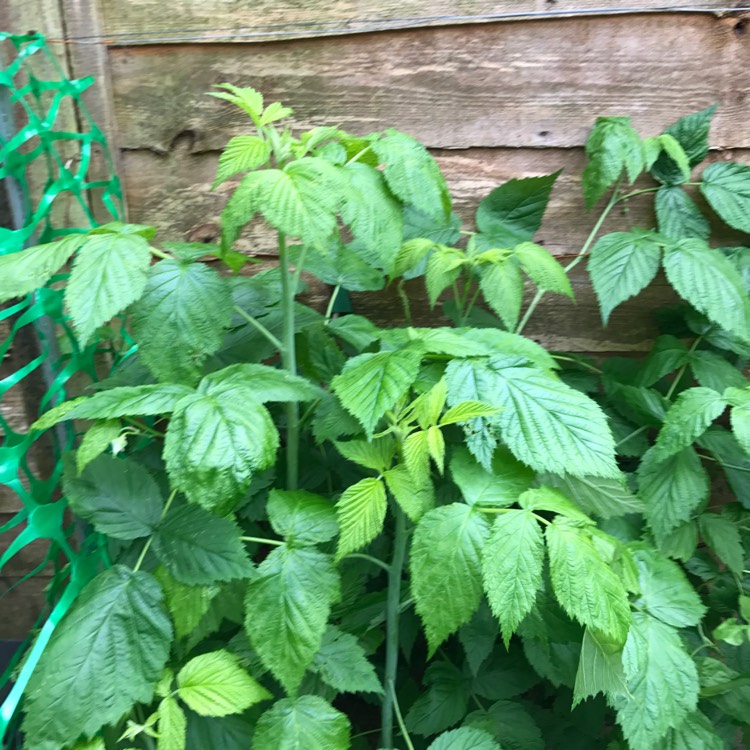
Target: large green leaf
pixel 621 264
pixel 371 384
pixel 710 283
pixel 444 702
pixel 466 738
pixel 513 212
pixel 199 548
pixel 105 656
pixel 599 669
pixel 118 496
pixel 287 606
pixel 544 422
pixel 446 568
pixel 672 490
pixel 30 269
pixel 342 664
pixel 678 216
pixel 181 318
pixel 361 512
pixel 512 568
pixel 726 186
pixel 214 684
pixel 502 486
pixel 691 132
pixel 584 584
pixel 662 681
pixel 302 518
pixel 109 272
pixel 304 723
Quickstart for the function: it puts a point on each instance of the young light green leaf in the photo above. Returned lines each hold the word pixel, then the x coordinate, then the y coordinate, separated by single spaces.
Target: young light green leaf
pixel 543 268
pixel 673 149
pixel 287 605
pixel 97 439
pixel 342 664
pixel 199 548
pixel 586 587
pixel 502 287
pixel 214 684
pixel 671 490
pixel 247 99
pixel 436 447
pixel 512 568
pixel 186 604
pixel 241 153
pixel 688 418
pixel 371 384
pixel 465 738
pixel 304 723
pixel 710 283
pixel 361 513
pixel 105 656
pixel 377 454
pixel 622 264
pixel 446 568
pixel 443 268
pixel 273 112
pixel 414 497
pixel 302 518
pixel 118 496
pixel 30 269
pixel 723 537
pixel 410 255
pixel 466 410
pixel 552 501
pixel 678 216
pixel 662 681
pixel 726 187
pixel 599 669
pixel 109 272
pixel 181 318
pixel 502 486
pixel 172 725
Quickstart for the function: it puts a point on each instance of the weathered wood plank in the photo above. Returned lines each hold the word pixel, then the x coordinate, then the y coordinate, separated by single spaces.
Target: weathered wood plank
pixel 21 607
pixel 530 83
pixel 144 22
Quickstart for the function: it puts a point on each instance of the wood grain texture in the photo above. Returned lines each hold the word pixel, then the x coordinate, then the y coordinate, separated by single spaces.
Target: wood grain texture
pixel 144 21
pixel 21 606
pixel 524 84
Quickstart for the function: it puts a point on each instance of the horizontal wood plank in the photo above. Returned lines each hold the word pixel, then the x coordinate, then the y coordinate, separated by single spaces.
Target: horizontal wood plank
pixel 144 21
pixel 526 84
pixel 21 606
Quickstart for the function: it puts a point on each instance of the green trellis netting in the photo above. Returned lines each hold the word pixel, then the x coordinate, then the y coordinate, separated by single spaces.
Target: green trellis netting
pixel 35 148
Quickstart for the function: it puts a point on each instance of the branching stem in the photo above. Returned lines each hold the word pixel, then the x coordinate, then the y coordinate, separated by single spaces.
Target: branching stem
pixel 147 545
pixel 260 328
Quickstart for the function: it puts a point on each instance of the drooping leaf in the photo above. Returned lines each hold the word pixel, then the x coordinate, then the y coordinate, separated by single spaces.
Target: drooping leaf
pixel 726 187
pixel 443 268
pixel 503 486
pixel 479 637
pixel 100 436
pixel 444 702
pixel 304 723
pixel 287 605
pixel 512 568
pixel 302 518
pixel 172 726
pixel 446 568
pixel 342 664
pixel 543 269
pixel 723 536
pixel 118 496
pixel 621 265
pixel 584 584
pixel 599 669
pixel 361 512
pixel 200 548
pixel 243 152
pixel 465 738
pixel 105 656
pixel 186 604
pixel 678 216
pixel 502 288
pixel 413 496
pixel 467 410
pixel 691 132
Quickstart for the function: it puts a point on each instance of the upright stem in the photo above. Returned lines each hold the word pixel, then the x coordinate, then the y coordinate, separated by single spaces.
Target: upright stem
pixel 393 608
pixel 289 360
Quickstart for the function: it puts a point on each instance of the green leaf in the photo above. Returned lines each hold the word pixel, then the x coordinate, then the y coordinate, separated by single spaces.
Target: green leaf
pixel 287 605
pixel 30 269
pixel 466 738
pixel 186 604
pixel 551 501
pixel 543 268
pixel 599 669
pixel 413 496
pixel 467 410
pixel 689 417
pixel 695 733
pixel 446 569
pixel 107 654
pixel 247 99
pixel 726 187
pixel 172 725
pixel 301 517
pixel 513 212
pixel 377 454
pixel 109 272
pixel 412 174
pixel 511 344
pixel 586 587
pixel 304 723
pixel 214 684
pixel 361 512
pixel 510 724
pixel 678 216
pixel 723 537
pixel 665 591
pixel 273 112
pixel 97 439
pixel 443 268
pixel 512 568
pixel 371 384
pixel 662 681
pixel 265 383
pixel 199 548
pixel 502 287
pixel 691 132
pixel 612 146
pixel 228 732
pixel 673 149
pixel 241 153
pixel 355 330
pixel 342 664
pixel 503 486
pixel 339 265
pixel 479 637
pixel 710 283
pixel 544 422
pixel 621 265
pixel 605 497
pixel 667 355
pixel 671 490
pixel 181 318
pixel 118 496
pixel 444 702
pixel 734 462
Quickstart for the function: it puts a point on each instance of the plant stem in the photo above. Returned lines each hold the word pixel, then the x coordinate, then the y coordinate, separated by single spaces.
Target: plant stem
pixel 404 302
pixel 262 540
pixel 289 360
pixel 332 302
pixel 391 638
pixel 160 253
pixel 681 371
pixel 400 719
pixel 633 434
pixel 373 560
pixel 147 545
pixel 260 328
